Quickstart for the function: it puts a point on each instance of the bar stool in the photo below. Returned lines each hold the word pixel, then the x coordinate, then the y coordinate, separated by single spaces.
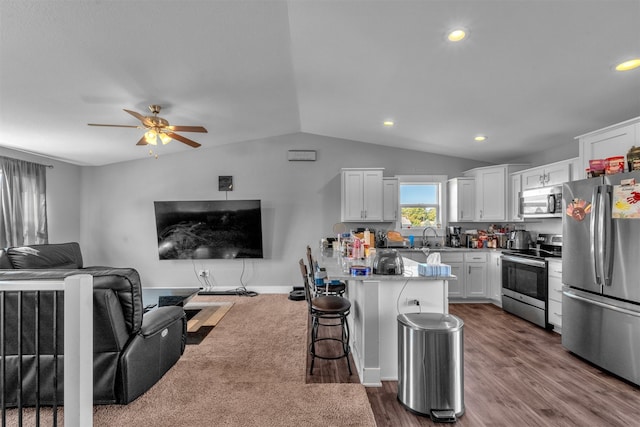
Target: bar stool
pixel 325 289
pixel 329 308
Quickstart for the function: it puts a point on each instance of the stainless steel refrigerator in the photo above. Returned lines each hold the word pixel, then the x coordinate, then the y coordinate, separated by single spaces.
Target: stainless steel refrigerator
pixel 601 272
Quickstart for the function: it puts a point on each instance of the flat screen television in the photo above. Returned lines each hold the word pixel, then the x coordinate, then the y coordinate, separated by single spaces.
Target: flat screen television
pixel 209 229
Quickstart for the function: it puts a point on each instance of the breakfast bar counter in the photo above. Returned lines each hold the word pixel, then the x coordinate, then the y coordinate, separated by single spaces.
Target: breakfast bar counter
pixel 376 302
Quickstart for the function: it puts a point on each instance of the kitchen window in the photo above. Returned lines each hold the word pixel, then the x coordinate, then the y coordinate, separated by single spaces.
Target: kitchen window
pixel 421 201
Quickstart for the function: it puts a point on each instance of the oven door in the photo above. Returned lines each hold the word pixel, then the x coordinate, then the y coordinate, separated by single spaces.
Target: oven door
pixel 525 279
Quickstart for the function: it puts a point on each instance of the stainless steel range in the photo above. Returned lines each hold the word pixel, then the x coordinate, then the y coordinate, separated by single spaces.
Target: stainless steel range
pixel 524 279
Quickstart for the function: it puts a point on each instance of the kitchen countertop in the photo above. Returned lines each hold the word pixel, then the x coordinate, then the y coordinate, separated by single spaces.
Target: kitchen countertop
pixel 447 249
pixel 335 272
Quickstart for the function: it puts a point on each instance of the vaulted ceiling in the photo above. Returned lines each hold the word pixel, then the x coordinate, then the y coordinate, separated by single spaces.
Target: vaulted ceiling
pixel 531 74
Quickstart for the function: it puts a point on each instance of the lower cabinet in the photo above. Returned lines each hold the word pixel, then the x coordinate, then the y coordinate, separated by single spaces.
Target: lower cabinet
pixel 494 275
pixel 471 270
pixel 554 309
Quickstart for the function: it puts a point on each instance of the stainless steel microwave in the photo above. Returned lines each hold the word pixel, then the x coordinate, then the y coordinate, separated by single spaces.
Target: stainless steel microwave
pixel 545 202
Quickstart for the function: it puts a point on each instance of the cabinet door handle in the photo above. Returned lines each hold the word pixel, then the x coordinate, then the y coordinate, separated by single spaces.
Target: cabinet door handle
pixel 469 269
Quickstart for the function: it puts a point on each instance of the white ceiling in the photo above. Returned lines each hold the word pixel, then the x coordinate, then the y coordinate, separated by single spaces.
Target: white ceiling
pixel 531 75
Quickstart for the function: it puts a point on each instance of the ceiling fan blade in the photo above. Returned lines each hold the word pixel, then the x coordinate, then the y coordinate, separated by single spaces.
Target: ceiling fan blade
pixel 143 141
pixel 134 114
pixel 183 139
pixel 187 129
pixel 114 126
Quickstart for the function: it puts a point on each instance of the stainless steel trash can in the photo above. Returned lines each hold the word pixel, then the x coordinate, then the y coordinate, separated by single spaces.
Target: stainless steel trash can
pixel 430 365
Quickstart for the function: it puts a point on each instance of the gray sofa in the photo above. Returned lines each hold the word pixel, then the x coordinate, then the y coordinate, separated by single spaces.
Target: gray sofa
pixel 132 349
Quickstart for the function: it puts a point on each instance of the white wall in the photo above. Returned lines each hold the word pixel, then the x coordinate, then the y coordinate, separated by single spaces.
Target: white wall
pixel 63 196
pixel 300 203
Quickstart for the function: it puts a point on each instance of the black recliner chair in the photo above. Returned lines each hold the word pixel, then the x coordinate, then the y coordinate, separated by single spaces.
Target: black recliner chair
pixel 132 350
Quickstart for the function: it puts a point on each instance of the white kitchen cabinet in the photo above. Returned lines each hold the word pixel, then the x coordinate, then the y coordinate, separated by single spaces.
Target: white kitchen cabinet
pixel 456 287
pixel 462 197
pixel 390 199
pixel 471 270
pixel 476 282
pixel 492 191
pixel 362 195
pixel 514 199
pixel 456 261
pixel 615 140
pixel 554 309
pixel 494 277
pixel 547 176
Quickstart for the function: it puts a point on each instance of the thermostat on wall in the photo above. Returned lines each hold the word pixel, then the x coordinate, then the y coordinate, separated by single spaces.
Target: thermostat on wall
pixel 302 155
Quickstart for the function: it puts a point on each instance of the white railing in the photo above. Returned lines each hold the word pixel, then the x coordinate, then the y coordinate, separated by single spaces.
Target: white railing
pixel 78 341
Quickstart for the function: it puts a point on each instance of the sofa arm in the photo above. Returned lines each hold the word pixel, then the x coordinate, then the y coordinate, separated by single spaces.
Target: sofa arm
pixel 152 351
pixel 156 320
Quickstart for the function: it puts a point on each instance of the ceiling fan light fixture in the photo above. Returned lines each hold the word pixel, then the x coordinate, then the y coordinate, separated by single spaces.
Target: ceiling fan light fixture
pixel 164 138
pixel 150 136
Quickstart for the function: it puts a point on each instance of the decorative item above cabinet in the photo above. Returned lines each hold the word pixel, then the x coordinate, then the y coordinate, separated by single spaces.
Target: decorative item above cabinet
pixel 615 140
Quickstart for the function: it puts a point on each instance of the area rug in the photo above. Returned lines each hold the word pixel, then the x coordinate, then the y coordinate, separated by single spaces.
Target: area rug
pixel 249 371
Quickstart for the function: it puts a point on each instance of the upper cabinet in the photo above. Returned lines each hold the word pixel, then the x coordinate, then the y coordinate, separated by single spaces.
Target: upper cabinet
pixel 390 199
pixel 462 197
pixel 547 176
pixel 611 141
pixel 492 191
pixel 362 195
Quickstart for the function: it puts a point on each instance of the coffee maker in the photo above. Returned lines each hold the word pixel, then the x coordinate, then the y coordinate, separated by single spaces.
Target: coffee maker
pixel 454 236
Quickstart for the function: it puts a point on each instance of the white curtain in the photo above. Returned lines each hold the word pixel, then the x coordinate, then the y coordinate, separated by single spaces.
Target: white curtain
pixel 23 205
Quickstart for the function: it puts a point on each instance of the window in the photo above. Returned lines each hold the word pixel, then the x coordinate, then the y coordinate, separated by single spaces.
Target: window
pixel 421 201
pixel 23 206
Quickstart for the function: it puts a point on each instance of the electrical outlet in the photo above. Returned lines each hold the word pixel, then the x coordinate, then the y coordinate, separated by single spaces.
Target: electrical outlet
pixel 413 301
pixel 203 273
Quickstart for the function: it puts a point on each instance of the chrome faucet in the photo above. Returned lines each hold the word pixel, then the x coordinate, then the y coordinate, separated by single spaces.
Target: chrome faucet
pixel 424 235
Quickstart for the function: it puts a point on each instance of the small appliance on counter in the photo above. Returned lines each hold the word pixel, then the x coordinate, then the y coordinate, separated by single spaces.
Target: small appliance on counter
pixel 388 261
pixel 455 236
pixel 519 240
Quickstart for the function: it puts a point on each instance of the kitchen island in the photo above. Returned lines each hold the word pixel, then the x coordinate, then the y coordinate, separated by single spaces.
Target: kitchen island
pixel 376 301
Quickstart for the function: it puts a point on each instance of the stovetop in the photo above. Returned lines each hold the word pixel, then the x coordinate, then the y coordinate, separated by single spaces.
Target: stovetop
pixel 537 253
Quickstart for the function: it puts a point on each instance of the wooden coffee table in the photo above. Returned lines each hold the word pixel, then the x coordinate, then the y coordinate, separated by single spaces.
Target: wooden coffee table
pixel 206 316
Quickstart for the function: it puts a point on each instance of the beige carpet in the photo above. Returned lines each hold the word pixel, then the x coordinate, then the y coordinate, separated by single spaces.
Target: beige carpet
pixel 249 371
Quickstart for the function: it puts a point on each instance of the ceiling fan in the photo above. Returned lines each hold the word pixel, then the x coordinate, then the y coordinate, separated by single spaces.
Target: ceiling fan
pixel 159 129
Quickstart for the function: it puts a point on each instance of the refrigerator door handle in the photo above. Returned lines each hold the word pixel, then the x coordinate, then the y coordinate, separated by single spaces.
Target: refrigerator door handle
pixel 606 235
pixel 593 231
pixel 571 295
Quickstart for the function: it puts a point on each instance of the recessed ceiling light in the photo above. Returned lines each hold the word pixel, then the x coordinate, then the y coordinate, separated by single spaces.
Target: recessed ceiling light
pixel 388 123
pixel 628 65
pixel 480 138
pixel 456 35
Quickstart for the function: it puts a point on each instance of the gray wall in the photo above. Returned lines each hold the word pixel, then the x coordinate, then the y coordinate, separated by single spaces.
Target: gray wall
pixel 300 203
pixel 109 209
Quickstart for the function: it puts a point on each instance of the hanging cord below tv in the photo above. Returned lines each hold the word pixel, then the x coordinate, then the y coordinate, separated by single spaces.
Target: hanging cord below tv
pixel 239 291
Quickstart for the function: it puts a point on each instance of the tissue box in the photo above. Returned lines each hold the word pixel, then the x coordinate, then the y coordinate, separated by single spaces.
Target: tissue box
pixel 434 270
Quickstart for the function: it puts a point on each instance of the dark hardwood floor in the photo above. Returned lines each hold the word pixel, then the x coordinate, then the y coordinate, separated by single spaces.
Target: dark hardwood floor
pixel 515 374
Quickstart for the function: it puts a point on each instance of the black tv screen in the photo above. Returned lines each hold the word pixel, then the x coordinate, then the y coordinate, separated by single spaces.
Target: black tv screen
pixel 209 229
